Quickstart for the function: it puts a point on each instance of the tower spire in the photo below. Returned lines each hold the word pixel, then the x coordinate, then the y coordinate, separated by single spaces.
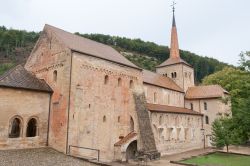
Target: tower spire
pixel 174 46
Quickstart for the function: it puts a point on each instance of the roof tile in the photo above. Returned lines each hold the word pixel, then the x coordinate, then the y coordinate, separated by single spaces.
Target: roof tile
pixel 170 109
pixel 209 91
pixel 90 47
pixel 19 77
pixel 159 80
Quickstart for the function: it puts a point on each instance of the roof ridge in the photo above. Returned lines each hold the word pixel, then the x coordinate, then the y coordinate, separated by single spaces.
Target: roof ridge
pixel 170 106
pixel 51 26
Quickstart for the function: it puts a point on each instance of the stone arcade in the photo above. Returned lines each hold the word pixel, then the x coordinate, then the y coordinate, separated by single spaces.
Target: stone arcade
pixel 74 92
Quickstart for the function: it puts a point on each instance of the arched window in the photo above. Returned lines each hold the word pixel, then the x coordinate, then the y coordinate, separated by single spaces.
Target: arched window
pixel 106 79
pixel 31 128
pixel 15 128
pixel 131 84
pixel 205 106
pixel 104 118
pixel 118 119
pixel 207 120
pixel 172 75
pixel 191 106
pixel 132 125
pixel 155 97
pixel 119 81
pixel 55 76
pixel 161 120
pixel 175 74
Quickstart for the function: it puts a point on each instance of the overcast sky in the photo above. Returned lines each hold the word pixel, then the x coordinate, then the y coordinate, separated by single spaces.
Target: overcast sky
pixel 213 28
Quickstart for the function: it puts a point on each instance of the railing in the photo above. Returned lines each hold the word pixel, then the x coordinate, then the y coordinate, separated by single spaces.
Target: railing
pixel 97 150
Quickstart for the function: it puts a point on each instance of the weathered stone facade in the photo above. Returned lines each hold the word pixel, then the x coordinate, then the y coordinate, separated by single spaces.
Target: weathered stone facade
pixel 175 133
pixel 50 57
pixel 211 108
pixel 23 105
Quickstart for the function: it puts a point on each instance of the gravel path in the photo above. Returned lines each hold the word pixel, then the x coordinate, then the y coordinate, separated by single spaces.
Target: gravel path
pixel 37 157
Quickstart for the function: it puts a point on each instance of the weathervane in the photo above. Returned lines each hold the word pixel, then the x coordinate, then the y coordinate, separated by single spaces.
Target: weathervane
pixel 173 5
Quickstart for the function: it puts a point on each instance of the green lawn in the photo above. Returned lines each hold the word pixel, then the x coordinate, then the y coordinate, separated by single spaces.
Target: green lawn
pixel 219 159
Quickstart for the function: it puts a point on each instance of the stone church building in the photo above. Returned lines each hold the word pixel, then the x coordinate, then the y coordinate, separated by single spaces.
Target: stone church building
pixel 82 98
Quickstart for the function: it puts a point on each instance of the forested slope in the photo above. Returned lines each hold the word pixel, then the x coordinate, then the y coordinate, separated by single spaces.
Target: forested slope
pixel 16 45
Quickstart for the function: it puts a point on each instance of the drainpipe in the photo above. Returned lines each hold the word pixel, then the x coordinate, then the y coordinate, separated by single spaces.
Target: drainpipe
pixel 67 139
pixel 48 130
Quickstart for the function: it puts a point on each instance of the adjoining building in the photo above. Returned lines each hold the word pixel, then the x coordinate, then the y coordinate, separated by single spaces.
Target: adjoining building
pixel 80 97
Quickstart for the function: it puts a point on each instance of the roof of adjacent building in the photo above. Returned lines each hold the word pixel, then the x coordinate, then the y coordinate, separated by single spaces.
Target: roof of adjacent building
pixel 172 61
pixel 209 91
pixel 159 80
pixel 19 77
pixel 126 139
pixel 89 47
pixel 170 109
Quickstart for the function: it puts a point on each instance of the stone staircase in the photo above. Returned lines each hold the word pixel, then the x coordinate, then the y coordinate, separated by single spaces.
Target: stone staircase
pixel 146 136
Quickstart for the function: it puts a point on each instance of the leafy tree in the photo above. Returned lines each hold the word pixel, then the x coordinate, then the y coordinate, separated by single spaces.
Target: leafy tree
pixel 221 133
pixel 245 60
pixel 237 83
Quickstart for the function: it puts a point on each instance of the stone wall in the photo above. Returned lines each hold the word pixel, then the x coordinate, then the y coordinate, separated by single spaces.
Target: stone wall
pixel 176 133
pixel 158 95
pixel 24 105
pixel 215 109
pixel 101 111
pixel 185 74
pixel 48 57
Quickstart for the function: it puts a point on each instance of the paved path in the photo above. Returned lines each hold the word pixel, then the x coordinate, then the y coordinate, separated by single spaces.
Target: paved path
pixel 37 157
pixel 50 157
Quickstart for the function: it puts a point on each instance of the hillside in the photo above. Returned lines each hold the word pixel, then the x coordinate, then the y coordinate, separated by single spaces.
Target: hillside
pixel 16 45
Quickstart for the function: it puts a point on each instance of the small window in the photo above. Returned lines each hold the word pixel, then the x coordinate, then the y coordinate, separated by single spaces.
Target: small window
pixel 31 128
pixel 205 106
pixel 55 76
pixel 106 79
pixel 191 106
pixel 104 119
pixel 207 120
pixel 132 125
pixel 172 75
pixel 131 84
pixel 166 75
pixel 119 81
pixel 186 74
pixel 15 128
pixel 155 97
pixel 118 119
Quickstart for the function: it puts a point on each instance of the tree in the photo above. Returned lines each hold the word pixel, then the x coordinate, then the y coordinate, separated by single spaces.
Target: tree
pixel 221 133
pixel 237 83
pixel 245 60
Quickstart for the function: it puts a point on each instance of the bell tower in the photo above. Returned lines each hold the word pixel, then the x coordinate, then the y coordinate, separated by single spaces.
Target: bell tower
pixel 175 67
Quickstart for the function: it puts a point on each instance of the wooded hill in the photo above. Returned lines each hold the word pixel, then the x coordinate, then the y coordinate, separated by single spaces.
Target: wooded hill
pixel 16 45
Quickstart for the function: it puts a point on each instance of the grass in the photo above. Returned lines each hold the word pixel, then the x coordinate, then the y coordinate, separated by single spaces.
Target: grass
pixel 219 159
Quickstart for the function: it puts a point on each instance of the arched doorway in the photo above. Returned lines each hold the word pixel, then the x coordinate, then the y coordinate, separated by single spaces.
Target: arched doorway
pixel 31 128
pixel 131 152
pixel 15 128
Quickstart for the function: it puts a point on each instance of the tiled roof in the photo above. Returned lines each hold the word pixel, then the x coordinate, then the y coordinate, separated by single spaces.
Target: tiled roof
pixel 125 139
pixel 172 61
pixel 159 80
pixel 87 46
pixel 209 91
pixel 19 77
pixel 170 109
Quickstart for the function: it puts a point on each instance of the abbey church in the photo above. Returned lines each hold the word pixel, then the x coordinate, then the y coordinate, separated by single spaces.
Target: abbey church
pixel 84 98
